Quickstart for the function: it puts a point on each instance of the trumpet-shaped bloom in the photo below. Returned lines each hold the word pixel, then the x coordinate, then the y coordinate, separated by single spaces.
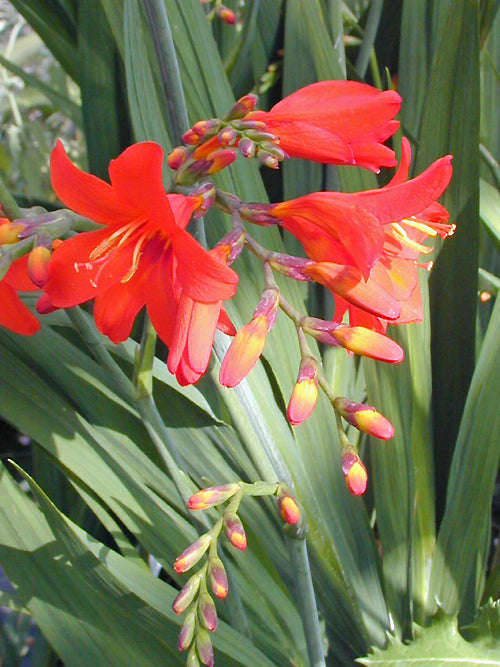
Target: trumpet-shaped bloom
pixel 14 315
pixel 365 245
pixel 142 256
pixel 336 122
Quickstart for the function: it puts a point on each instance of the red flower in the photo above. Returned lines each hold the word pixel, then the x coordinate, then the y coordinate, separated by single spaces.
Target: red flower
pixel 365 245
pixel 14 315
pixel 336 122
pixel 142 257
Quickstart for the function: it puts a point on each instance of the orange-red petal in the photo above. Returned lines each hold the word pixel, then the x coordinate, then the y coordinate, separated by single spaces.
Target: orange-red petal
pixel 14 315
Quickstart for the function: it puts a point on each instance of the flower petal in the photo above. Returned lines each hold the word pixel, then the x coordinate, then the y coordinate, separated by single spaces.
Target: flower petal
pixel 18 278
pixel 161 300
pixel 202 277
pixel 14 315
pixel 84 193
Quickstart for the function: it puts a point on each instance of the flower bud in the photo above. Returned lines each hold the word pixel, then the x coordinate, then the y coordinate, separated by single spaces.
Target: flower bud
pixel 227 136
pixel 268 160
pixel 354 472
pixel 192 554
pixel 205 194
pixel 221 159
pixel 243 106
pixel 9 231
pixel 190 138
pixel 247 147
pixel 207 612
pixel 177 157
pixel 258 214
pixel 368 343
pixel 365 418
pixel 249 342
pixel 186 633
pixel 305 392
pixel 204 647
pixel 227 15
pixel 187 594
pixel 278 152
pixel 205 128
pixel 234 530
pixel 192 659
pixel 288 507
pixel 213 495
pixel 38 262
pixel 218 578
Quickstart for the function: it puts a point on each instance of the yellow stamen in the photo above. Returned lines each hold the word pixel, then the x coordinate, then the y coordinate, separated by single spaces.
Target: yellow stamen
pixel 420 226
pixel 135 257
pixel 104 247
pixel 402 236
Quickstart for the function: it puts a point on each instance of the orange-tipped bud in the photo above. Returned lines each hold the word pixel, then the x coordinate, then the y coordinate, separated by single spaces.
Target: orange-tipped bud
pixel 227 15
pixel 9 231
pixel 207 612
pixel 354 472
pixel 247 147
pixel 190 138
pixel 218 578
pixel 234 530
pixel 214 495
pixel 243 106
pixel 288 507
pixel 365 418
pixel 187 594
pixel 369 344
pixel 192 554
pixel 204 647
pixel 177 157
pixel 249 342
pixel 186 633
pixel 205 194
pixel 227 136
pixel 38 262
pixel 305 392
pixel 205 128
pixel 221 159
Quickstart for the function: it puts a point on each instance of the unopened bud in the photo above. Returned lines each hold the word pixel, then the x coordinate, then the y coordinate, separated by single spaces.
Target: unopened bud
pixel 258 214
pixel 365 418
pixel 205 128
pixel 368 343
pixel 192 554
pixel 305 393
pixel 259 135
pixel 249 124
pixel 186 633
pixel 9 231
pixel 207 612
pixel 204 647
pixel 192 659
pixel 205 194
pixel 243 106
pixel 227 15
pixel 227 136
pixel 38 262
pixel 190 138
pixel 218 578
pixel 354 471
pixel 221 159
pixel 214 495
pixel 247 147
pixel 268 160
pixel 278 152
pixel 288 507
pixel 177 157
pixel 187 594
pixel 234 530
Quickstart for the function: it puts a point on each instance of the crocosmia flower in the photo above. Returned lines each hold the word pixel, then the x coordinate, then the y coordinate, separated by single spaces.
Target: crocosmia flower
pixel 365 245
pixel 336 122
pixel 14 315
pixel 142 256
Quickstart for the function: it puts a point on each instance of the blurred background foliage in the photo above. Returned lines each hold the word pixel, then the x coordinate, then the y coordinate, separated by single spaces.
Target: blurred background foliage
pixel 425 534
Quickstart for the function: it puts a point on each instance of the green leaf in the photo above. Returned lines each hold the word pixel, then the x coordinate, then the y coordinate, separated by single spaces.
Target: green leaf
pixel 490 210
pixel 439 644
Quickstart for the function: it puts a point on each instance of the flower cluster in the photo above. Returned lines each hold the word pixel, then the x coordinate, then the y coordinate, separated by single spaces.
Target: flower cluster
pixel 136 253
pixel 194 598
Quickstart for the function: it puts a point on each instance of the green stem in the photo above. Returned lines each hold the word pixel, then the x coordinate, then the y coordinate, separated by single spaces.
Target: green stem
pixel 306 601
pixel 8 203
pixel 171 82
pixel 143 377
